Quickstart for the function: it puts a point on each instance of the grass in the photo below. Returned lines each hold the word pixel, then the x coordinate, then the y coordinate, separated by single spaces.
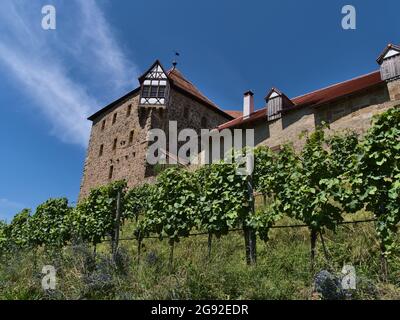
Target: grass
pixel 282 270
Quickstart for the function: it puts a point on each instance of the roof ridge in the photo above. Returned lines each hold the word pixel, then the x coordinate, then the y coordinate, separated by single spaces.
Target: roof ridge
pixel 194 87
pixel 335 84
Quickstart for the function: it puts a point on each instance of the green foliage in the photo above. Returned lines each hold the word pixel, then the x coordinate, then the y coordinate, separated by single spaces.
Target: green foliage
pixel 262 221
pixel 344 148
pixel 329 175
pixel 19 229
pixel 94 218
pixel 4 236
pixel 224 199
pixel 311 189
pixel 50 225
pixel 136 201
pixel 172 206
pixel 377 174
pixel 264 170
pixel 272 173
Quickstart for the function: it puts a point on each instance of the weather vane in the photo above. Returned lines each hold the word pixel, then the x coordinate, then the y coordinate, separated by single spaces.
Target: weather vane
pixel 174 62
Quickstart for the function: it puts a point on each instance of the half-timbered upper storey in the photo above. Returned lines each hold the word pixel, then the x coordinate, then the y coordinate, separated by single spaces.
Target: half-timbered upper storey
pixel 154 86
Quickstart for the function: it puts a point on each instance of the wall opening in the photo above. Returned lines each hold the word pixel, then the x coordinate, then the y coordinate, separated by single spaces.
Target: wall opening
pixel 101 150
pixel 111 172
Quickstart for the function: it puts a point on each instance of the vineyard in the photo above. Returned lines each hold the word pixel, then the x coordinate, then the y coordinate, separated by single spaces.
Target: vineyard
pixel 320 189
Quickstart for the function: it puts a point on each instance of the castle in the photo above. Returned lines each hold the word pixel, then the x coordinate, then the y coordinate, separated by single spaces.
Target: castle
pixel 118 140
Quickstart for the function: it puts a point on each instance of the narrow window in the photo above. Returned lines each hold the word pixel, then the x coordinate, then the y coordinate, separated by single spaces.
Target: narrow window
pixel 101 150
pixel 146 91
pixel 115 144
pixel 129 110
pixel 103 125
pixel 131 136
pixel 186 112
pixel 153 92
pixel 114 118
pixel 204 122
pixel 110 172
pixel 161 92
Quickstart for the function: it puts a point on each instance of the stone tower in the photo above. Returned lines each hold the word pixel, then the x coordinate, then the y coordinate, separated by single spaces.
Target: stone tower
pixel 119 135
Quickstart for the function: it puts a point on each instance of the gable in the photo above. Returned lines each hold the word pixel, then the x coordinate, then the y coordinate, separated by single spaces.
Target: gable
pixel 157 73
pixel 391 53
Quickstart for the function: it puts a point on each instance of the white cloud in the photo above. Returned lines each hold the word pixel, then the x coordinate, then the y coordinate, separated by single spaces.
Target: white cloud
pixel 70 72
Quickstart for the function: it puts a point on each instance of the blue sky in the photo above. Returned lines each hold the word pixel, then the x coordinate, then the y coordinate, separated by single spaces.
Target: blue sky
pixel 50 81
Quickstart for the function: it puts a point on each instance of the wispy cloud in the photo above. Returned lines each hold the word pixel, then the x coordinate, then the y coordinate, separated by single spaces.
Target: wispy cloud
pixel 69 72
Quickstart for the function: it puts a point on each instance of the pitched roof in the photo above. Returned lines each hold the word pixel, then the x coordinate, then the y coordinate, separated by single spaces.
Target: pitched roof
pixel 315 98
pixel 114 103
pixel 386 50
pixel 179 82
pixel 234 113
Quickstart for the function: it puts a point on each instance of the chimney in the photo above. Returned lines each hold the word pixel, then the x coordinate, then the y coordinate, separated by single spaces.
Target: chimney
pixel 248 104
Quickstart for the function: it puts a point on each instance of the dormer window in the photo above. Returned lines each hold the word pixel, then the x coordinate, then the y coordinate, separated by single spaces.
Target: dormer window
pixel 389 61
pixel 276 102
pixel 154 86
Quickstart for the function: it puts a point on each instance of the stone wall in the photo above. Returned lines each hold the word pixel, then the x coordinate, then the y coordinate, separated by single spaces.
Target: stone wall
pixel 128 159
pixel 125 157
pixel 353 112
pixel 195 111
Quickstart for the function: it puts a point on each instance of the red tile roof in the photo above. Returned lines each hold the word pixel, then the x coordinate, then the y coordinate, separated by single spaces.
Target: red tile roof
pixel 315 98
pixel 234 113
pixel 179 82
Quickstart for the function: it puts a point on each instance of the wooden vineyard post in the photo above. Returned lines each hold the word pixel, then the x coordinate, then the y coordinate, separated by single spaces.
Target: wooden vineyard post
pixel 117 226
pixel 384 264
pixel 209 245
pixel 323 246
pixel 171 255
pixel 249 233
pixel 139 247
